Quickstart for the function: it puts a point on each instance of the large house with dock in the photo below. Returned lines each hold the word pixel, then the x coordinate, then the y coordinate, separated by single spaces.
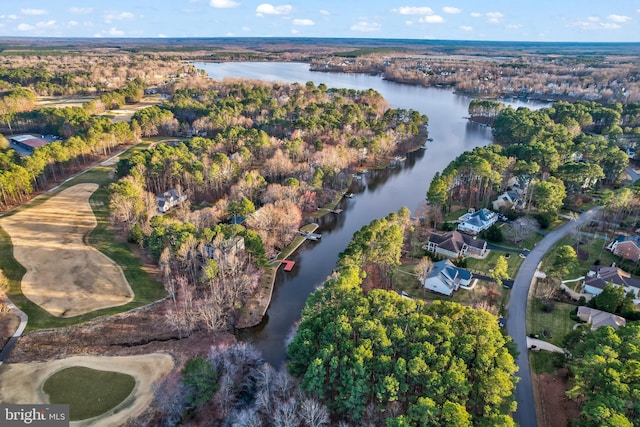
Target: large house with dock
pixel 445 278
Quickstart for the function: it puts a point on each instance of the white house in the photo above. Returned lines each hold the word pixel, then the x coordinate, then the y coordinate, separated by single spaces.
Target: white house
pixel 508 200
pixel 445 278
pixel 599 277
pixel 170 199
pixel 455 244
pixel 475 222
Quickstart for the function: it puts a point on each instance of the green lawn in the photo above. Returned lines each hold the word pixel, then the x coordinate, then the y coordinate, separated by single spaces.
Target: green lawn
pixel 88 392
pixel 404 279
pixel 103 238
pixel 482 266
pixel 596 250
pixel 558 322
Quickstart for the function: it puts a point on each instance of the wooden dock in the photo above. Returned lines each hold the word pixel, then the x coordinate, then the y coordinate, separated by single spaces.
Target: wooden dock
pixel 255 308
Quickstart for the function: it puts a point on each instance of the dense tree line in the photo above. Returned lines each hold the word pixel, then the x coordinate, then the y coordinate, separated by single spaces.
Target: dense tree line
pixel 94 137
pixel 557 153
pixel 605 375
pixel 416 364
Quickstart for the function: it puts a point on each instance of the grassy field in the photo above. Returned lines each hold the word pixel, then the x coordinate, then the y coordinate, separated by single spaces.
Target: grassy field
pixel 482 266
pixel 405 279
pixel 558 322
pixel 88 392
pixel 596 250
pixel 103 238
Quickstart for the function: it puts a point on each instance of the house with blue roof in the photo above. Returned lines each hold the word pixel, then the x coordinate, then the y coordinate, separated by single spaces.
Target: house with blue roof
pixel 475 221
pixel 445 278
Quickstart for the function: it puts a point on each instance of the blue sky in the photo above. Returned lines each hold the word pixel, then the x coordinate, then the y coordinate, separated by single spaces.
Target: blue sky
pixel 509 20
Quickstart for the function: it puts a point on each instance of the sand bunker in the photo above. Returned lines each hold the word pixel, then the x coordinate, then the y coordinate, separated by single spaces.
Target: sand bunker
pixel 23 382
pixel 65 276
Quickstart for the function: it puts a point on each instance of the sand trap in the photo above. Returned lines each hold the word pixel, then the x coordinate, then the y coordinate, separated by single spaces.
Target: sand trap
pixel 64 275
pixel 23 382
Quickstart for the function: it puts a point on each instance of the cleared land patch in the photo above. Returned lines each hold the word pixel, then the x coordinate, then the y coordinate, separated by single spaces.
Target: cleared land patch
pixel 23 383
pixel 64 275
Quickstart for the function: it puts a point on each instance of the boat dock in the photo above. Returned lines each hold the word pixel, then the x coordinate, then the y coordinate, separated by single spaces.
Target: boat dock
pixel 311 236
pixel 288 265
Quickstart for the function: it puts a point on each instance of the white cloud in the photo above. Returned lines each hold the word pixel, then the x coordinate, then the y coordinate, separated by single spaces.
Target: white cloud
pixel 269 9
pixel 324 12
pixel 476 14
pixel 593 19
pixel 619 18
pixel 294 31
pixel 33 12
pixel 408 23
pixel 46 24
pixel 466 28
pixel 12 16
pixel 494 17
pixel 25 27
pixel 80 10
pixel 591 24
pixel 223 4
pixel 514 26
pixel 451 10
pixel 366 27
pixel 162 36
pixel 414 10
pixel 114 32
pixel 303 22
pixel 246 29
pixel 432 19
pixel 109 17
pixel 72 24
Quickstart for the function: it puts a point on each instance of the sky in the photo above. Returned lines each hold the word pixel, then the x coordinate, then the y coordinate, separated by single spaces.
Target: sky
pixel 502 20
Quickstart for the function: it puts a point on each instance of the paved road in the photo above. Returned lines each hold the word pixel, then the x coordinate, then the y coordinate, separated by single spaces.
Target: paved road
pixel 516 322
pixel 6 350
pixel 633 174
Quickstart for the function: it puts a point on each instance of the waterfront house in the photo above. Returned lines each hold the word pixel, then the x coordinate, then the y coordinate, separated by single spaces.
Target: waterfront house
pixel 474 222
pixel 445 278
pixel 455 244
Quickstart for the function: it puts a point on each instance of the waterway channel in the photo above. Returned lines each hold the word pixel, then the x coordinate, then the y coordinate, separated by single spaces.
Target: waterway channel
pixel 376 195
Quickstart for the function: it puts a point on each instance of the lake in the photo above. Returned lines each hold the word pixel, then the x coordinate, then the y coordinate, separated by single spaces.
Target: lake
pixel 376 195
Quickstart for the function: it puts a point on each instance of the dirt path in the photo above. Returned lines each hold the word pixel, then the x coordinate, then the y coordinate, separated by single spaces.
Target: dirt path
pixel 65 276
pixel 23 382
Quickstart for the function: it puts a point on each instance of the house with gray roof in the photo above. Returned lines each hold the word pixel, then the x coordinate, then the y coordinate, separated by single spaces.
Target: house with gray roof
pixel 454 244
pixel 170 199
pixel 508 200
pixel 599 277
pixel 599 318
pixel 445 278
pixel 476 221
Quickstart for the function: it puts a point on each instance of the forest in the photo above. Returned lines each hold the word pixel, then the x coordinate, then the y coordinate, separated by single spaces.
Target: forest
pixel 271 154
pixel 557 154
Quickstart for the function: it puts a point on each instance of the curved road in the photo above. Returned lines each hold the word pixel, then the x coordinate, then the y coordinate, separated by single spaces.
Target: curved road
pixel 516 323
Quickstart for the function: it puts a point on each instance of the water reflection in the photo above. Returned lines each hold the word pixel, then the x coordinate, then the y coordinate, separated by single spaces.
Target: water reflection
pixel 377 194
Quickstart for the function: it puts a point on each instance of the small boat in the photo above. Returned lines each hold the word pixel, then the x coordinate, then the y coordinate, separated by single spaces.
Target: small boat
pixel 430 139
pixel 349 195
pixel 400 158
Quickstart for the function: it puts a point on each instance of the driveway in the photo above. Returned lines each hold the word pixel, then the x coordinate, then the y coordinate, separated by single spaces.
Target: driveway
pixel 536 344
pixel 525 416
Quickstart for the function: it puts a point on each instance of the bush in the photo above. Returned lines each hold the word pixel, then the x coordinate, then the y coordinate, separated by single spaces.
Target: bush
pixel 544 220
pixel 492 234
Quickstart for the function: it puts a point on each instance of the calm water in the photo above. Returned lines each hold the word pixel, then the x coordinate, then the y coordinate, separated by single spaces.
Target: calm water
pixel 377 195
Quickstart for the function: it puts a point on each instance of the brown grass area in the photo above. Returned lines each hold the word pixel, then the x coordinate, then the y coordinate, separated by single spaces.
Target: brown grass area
pixel 22 383
pixel 65 276
pixel 553 407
